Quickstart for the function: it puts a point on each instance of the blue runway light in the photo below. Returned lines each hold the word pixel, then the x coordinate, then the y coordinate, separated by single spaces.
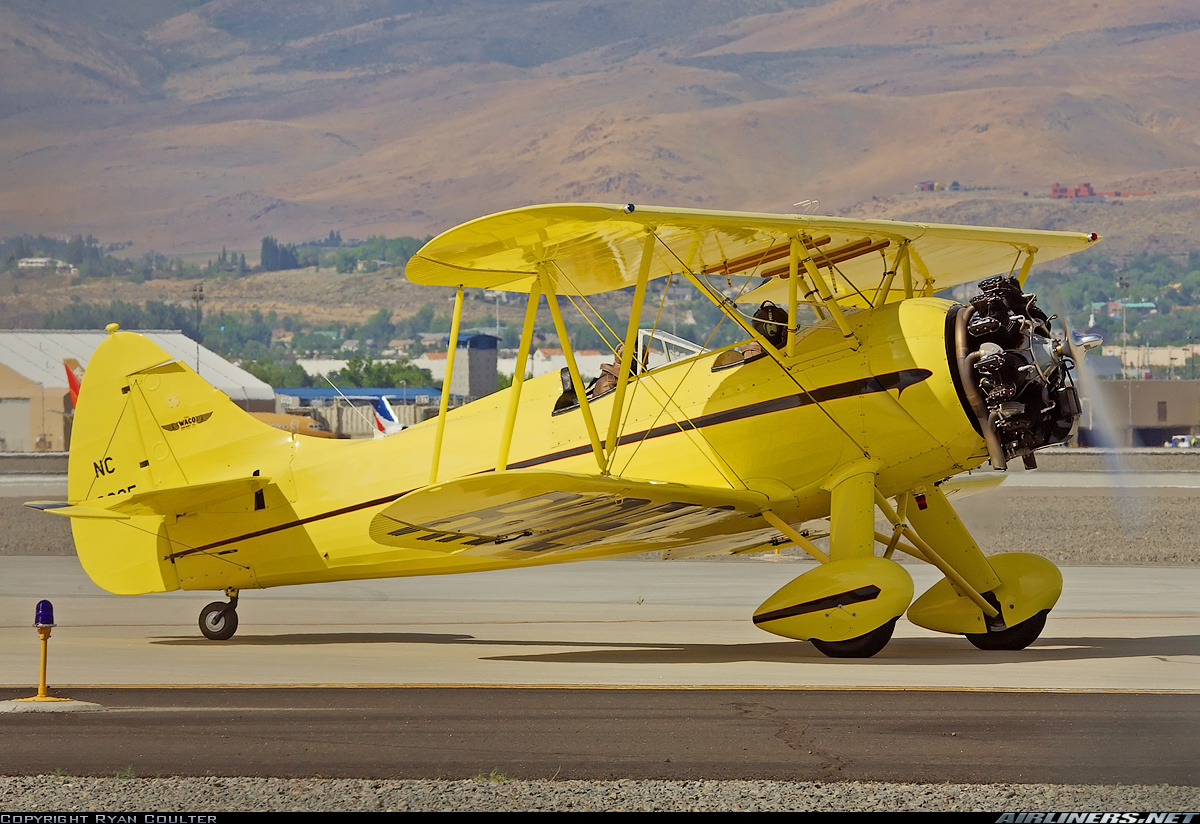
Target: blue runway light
pixel 44 614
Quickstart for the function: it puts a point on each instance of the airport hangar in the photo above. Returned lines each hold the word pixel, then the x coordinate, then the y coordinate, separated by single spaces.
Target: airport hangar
pixel 35 402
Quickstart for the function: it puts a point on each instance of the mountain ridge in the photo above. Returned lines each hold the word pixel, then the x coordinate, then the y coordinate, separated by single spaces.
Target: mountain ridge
pixel 188 126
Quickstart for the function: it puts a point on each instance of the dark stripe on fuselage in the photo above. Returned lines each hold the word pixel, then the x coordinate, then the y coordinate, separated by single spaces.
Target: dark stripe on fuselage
pixel 258 533
pixel 862 386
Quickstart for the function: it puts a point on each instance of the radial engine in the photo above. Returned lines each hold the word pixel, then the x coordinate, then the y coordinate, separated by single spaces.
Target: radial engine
pixel 1014 376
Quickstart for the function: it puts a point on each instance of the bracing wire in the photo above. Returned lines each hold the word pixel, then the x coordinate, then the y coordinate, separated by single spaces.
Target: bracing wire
pixel 774 357
pixel 834 268
pixel 595 311
pixel 724 471
pixel 599 334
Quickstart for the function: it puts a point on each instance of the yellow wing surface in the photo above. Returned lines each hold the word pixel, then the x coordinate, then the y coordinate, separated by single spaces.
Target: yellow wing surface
pixel 590 248
pixel 523 514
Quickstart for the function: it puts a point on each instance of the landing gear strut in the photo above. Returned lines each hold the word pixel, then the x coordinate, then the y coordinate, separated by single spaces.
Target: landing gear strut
pixel 218 620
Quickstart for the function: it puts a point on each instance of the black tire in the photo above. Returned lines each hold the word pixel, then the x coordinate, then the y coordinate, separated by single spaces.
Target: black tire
pixel 864 646
pixel 218 621
pixel 1013 638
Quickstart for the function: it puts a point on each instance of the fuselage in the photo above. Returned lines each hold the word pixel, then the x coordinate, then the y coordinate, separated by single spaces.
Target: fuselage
pixel 886 394
pixel 778 425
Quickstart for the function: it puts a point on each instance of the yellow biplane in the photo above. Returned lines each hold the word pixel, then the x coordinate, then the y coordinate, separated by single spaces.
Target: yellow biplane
pixel 851 389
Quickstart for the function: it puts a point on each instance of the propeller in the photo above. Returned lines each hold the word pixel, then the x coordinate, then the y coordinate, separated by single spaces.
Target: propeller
pixel 1079 344
pixel 1130 511
pixel 1075 345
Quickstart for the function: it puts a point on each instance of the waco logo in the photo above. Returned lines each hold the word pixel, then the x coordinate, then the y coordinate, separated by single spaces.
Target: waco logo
pixel 186 422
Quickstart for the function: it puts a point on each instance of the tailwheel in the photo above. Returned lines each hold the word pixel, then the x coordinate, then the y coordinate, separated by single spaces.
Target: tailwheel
pixel 219 621
pixel 1013 638
pixel 864 646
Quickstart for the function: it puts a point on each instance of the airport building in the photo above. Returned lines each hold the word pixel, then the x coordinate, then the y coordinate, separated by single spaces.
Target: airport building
pixel 1139 413
pixel 35 405
pixel 35 402
pixel 474 365
pixel 346 411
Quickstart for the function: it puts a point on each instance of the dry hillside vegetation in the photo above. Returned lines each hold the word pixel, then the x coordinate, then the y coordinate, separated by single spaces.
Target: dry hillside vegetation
pixel 187 126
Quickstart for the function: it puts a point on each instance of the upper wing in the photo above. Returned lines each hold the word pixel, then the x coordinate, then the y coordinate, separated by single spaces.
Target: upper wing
pixel 527 513
pixel 590 248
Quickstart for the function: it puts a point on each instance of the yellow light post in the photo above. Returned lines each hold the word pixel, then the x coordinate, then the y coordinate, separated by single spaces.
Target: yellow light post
pixel 43 620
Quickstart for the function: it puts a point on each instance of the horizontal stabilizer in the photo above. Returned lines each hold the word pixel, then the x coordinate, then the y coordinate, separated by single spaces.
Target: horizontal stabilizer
pixel 524 514
pixel 176 500
pixel 70 510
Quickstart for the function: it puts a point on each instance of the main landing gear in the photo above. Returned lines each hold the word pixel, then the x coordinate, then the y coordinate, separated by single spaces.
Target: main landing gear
pixel 218 620
pixel 864 646
pixel 848 606
pixel 1013 638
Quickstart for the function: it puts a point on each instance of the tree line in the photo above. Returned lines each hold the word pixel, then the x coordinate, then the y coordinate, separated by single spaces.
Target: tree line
pixel 94 259
pixel 250 338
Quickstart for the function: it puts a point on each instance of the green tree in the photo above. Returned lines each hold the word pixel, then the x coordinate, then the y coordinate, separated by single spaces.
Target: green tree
pixel 74 255
pixel 152 314
pixel 275 257
pixel 278 375
pixel 378 327
pixel 361 372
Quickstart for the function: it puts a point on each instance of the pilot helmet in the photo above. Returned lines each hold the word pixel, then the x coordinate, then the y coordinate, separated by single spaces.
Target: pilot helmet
pixel 770 321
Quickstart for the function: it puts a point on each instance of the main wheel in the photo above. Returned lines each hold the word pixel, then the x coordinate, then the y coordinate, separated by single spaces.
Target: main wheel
pixel 218 621
pixel 864 646
pixel 1015 637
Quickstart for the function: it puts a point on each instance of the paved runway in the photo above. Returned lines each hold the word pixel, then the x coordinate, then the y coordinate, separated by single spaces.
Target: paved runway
pixel 612 623
pixel 1101 480
pixel 785 735
pixel 613 669
pixel 622 668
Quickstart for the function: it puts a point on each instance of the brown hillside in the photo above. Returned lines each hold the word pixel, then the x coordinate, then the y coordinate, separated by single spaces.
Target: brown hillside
pixel 189 126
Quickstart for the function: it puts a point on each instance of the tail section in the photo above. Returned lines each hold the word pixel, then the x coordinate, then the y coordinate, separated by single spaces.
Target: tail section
pixel 386 422
pixel 74 376
pixel 148 430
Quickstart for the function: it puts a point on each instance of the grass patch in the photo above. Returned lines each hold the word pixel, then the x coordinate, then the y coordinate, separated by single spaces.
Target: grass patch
pixel 491 778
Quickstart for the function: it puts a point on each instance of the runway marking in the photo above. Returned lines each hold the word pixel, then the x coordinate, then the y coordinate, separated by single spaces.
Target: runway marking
pixel 62 689
pixel 1102 480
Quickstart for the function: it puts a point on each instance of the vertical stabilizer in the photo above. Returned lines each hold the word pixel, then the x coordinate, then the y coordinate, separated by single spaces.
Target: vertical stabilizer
pixel 146 422
pixel 386 422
